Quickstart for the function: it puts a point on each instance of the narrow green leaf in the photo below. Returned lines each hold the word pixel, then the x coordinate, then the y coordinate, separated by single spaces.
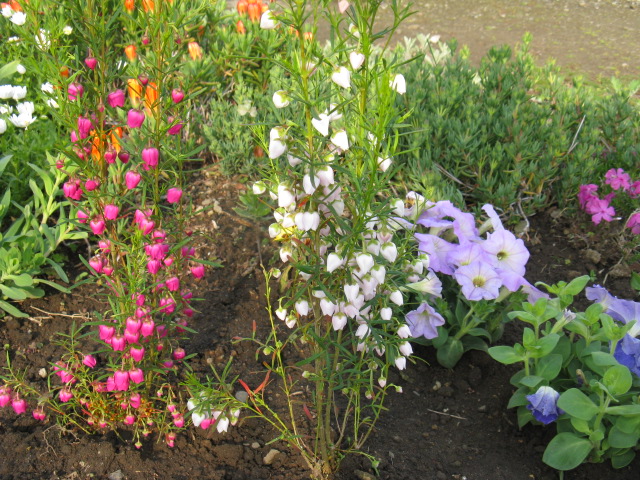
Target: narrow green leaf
pixel 11 310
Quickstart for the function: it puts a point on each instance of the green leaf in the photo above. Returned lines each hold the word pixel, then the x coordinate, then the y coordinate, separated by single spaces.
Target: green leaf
pixel 549 367
pixel 8 70
pixel 54 285
pixel 505 354
pixel 566 451
pixel 449 354
pixel 618 380
pixel 22 280
pixel 13 293
pixel 623 459
pixel 575 286
pixel 11 310
pixel 635 280
pixel 531 381
pixel 577 404
pixel 524 416
pixel 603 359
pixel 518 399
pixel 581 426
pixel 624 410
pixel 619 439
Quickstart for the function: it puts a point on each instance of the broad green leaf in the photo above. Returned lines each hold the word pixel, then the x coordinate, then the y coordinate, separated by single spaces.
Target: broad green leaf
pixel 580 425
pixel 505 354
pixel 628 424
pixel 577 404
pixel 449 354
pixel 13 293
pixel 524 416
pixel 531 381
pixel 603 359
pixel 549 367
pixel 618 380
pixel 576 285
pixel 23 280
pixel 8 70
pixel 518 399
pixel 619 439
pixel 566 451
pixel 622 459
pixel 11 310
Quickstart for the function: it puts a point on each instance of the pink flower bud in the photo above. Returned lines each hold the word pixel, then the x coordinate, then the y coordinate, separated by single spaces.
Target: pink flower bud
pixel 137 353
pixel 188 312
pixel 118 343
pixel 5 396
pixel 206 423
pixel 178 421
pixel 39 414
pixel 110 155
pixel 106 332
pixel 135 400
pixel 121 380
pixel 170 439
pixel 173 284
pixel 97 226
pixel 111 212
pixel 96 264
pixel 136 375
pixel 84 127
pixel 135 118
pixel 75 91
pixel 90 361
pixel 174 195
pixel 90 185
pixel 150 158
pixel 65 395
pixel 175 129
pixel 72 190
pixel 179 354
pixel 177 95
pixel 167 364
pixel 198 271
pixel 131 337
pixel 129 419
pixel 123 156
pixel 91 62
pixel 82 216
pixel 147 327
pixel 132 179
pixel 73 136
pixel 116 98
pixel 107 270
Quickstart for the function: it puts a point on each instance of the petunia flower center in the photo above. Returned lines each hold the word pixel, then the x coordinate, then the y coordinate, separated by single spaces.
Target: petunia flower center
pixel 478 281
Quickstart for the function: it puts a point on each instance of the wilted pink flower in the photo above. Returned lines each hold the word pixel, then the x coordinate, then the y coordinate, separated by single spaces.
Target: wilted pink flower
pixel 75 91
pixel 111 212
pixel 135 118
pixel 150 158
pixel 136 375
pixel 97 226
pixel 174 195
pixel 121 380
pixel 198 271
pixel 116 98
pixel 137 353
pixel 132 179
pixel 90 361
pixel 107 270
pixel 39 414
pixel 177 95
pixel 173 284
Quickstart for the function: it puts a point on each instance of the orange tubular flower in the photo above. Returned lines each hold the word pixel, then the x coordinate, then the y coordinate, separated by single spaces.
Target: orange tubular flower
pixel 134 88
pixel 151 98
pixel 64 71
pixel 130 52
pixel 148 5
pixel 195 50
pixel 15 6
pixel 116 135
pixel 254 10
pixel 242 7
pixel 240 28
pixel 129 5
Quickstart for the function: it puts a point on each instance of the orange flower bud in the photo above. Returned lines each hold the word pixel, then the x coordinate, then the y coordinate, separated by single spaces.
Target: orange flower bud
pixel 148 5
pixel 254 10
pixel 15 6
pixel 134 87
pixel 151 98
pixel 64 71
pixel 308 35
pixel 242 6
pixel 129 5
pixel 195 50
pixel 240 28
pixel 116 135
pixel 130 52
pixel 265 7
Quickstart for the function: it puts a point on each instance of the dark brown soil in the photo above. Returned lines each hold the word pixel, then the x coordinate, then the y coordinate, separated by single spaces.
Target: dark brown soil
pixel 446 424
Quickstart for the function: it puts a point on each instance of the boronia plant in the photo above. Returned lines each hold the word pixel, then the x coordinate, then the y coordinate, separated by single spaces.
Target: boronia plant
pixel 123 110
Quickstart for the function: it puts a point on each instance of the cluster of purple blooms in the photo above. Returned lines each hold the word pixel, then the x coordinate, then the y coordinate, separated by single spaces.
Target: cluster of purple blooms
pixel 481 266
pixel 600 208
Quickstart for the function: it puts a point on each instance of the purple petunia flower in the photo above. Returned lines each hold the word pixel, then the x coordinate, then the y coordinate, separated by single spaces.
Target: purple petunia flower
pixel 438 249
pixel 479 281
pixel 424 321
pixel 628 354
pixel 506 251
pixel 544 405
pixel 623 311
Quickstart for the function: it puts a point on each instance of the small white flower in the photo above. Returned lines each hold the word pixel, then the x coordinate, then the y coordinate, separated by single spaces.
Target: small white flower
pixel 19 93
pixel 353 30
pixel 335 113
pixel 222 425
pixel 290 321
pixel 389 251
pixel 351 292
pixel 384 163
pixel 356 59
pixel 302 307
pixel 307 221
pixel 42 39
pixel 5 109
pixel 276 144
pixel 281 313
pixel 325 176
pixel 268 21
pixel 47 88
pixel 382 382
pixel 386 313
pixel 321 124
pixel 339 321
pixel 405 349
pixel 197 418
pixel 285 197
pixel 379 273
pixel 20 69
pixel 281 99
pixel 293 161
pixel 7 11
pixel 340 140
pixel 67 30
pixel 327 307
pixel 343 5
pixel 285 254
pixel 22 120
pixel 333 262
pixel 365 262
pixel 363 331
pixel 52 103
pixel 404 331
pixel 3 126
pixel 6 91
pixel 18 18
pixel 13 39
pixel 341 77
pixel 259 188
pixel 396 297
pixel 310 184
pixel 399 84
pixel 401 363
pixel 275 229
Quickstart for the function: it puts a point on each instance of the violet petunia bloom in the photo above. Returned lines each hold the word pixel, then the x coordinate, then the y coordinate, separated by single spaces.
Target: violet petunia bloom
pixel 628 354
pixel 438 249
pixel 544 405
pixel 424 321
pixel 506 251
pixel 479 281
pixel 437 216
pixel 620 310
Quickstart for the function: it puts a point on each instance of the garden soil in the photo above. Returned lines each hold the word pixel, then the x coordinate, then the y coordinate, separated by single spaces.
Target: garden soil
pixel 447 424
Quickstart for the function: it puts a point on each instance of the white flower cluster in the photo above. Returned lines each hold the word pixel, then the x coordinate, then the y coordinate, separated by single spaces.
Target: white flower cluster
pixel 24 110
pixel 14 16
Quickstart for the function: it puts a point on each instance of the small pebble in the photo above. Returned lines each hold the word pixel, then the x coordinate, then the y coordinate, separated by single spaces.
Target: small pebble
pixel 269 457
pixel 255 445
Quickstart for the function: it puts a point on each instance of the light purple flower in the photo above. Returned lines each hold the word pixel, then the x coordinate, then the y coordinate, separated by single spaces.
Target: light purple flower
pixel 623 311
pixel 617 179
pixel 466 254
pixel 544 405
pixel 438 249
pixel 628 354
pixel 424 321
pixel 479 281
pixel 506 251
pixel 463 223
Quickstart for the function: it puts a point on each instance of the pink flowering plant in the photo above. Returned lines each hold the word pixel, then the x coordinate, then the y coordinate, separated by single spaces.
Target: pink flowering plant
pixel 125 179
pixel 581 373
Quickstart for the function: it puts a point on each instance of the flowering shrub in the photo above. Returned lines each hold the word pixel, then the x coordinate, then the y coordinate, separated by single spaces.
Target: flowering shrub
pixel 581 372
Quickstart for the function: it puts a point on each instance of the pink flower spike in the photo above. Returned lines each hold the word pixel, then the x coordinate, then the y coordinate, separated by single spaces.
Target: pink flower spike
pixel 91 62
pixel 121 380
pixel 173 284
pixel 198 271
pixel 111 212
pixel 97 226
pixel 135 118
pixel 136 375
pixel 132 179
pixel 174 195
pixel 116 98
pixel 177 95
pixel 90 361
pixel 150 158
